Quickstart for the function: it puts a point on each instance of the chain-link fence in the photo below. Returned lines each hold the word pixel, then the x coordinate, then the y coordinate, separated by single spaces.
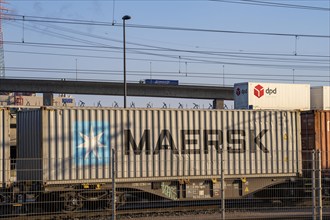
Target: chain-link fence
pixel 103 192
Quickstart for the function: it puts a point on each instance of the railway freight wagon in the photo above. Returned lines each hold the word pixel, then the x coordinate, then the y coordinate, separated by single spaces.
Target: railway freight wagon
pixel 4 156
pixel 172 154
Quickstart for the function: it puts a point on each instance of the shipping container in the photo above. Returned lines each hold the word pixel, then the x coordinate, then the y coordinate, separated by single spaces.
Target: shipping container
pixel 70 145
pixel 4 147
pixel 316 136
pixel 253 95
pixel 29 100
pixel 320 98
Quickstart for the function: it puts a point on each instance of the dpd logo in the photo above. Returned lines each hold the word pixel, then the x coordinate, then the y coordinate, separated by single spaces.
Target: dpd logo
pixel 259 91
pixel 270 91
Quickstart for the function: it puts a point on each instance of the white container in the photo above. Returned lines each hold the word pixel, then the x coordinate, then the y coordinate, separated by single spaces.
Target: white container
pixel 253 95
pixel 73 145
pixel 320 97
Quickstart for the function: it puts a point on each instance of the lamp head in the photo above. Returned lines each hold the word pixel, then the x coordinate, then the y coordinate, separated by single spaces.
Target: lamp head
pixel 126 17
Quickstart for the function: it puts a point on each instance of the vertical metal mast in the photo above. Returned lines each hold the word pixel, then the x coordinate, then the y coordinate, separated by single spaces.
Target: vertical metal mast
pixel 2 57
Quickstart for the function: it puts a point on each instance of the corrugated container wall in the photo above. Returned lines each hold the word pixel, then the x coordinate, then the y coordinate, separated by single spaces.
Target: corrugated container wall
pixel 74 144
pixel 320 98
pixel 253 95
pixel 4 147
pixel 316 136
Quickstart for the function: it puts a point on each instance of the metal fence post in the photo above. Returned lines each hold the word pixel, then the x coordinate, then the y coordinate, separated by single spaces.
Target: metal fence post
pixel 313 186
pixel 319 184
pixel 223 207
pixel 113 154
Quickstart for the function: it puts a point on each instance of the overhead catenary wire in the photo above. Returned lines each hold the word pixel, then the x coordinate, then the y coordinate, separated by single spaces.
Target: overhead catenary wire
pixel 150 47
pixel 147 73
pixel 103 38
pixel 257 56
pixel 201 58
pixel 89 73
pixel 198 59
pixel 137 44
pixel 199 83
pixel 278 66
pixel 273 4
pixel 93 45
pixel 109 39
pixel 63 36
pixel 98 23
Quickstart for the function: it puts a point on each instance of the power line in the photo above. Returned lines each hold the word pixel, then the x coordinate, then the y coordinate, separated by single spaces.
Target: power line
pixel 229 57
pixel 226 31
pixel 151 47
pixel 273 4
pixel 154 48
pixel 146 72
pixel 193 59
pixel 158 49
pixel 57 34
pixel 83 22
pixel 104 48
pixel 120 41
pixel 207 61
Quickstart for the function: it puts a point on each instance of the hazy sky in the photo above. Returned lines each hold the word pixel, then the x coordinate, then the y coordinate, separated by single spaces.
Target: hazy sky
pixel 195 42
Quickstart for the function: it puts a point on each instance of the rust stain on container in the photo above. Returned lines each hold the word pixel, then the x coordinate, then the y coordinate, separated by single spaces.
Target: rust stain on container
pixel 316 136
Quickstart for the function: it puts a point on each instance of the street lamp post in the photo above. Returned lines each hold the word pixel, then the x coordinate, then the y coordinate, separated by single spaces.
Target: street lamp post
pixel 126 17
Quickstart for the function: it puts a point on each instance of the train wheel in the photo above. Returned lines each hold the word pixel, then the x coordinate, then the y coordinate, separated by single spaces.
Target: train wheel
pixel 72 202
pixel 108 201
pixel 120 200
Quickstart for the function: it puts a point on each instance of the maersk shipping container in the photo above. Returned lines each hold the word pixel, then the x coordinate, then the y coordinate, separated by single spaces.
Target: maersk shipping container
pixel 4 147
pixel 320 98
pixel 316 136
pixel 254 95
pixel 70 145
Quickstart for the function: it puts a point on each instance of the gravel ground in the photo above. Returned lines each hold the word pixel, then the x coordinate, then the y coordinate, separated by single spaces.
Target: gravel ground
pixel 239 215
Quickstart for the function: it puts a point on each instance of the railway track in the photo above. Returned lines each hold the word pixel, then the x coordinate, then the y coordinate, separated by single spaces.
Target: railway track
pixel 172 211
pixel 210 213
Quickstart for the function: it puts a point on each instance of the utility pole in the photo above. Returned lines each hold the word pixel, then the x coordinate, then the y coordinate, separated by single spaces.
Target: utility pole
pixel 126 17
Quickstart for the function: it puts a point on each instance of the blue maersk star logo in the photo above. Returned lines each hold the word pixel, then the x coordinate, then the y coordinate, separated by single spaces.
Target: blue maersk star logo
pixel 92 143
